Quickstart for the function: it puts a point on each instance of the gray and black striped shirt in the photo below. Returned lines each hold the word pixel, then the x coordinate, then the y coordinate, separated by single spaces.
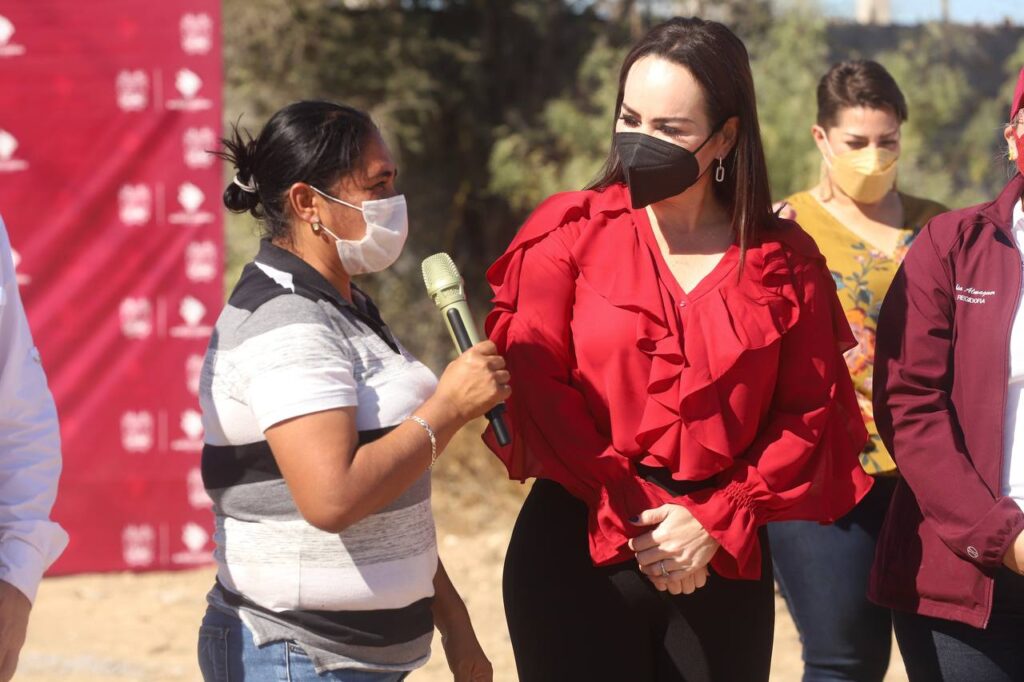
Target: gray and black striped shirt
pixel 287 345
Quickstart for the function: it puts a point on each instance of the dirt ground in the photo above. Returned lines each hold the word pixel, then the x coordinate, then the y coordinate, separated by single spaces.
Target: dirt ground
pixel 142 627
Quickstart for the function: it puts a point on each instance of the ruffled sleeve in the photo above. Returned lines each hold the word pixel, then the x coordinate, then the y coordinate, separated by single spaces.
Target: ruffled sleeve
pixel 755 400
pixel 553 432
pixel 803 462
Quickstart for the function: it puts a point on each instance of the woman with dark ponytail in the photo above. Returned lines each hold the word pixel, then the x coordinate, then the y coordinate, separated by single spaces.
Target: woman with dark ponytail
pixel 321 428
pixel 679 384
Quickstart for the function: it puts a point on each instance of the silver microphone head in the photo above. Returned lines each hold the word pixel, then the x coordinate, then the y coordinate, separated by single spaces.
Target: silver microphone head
pixel 443 281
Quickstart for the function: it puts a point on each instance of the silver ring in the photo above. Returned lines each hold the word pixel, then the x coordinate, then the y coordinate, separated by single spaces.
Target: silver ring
pixel 661 563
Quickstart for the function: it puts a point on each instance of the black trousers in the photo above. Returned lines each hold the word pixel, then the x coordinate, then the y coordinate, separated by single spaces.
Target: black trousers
pixel 939 650
pixel 570 620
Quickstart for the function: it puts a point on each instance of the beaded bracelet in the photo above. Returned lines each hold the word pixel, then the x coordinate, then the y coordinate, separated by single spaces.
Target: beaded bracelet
pixel 430 434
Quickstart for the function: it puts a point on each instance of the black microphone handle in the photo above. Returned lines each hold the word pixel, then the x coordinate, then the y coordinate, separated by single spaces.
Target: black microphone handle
pixel 494 415
pixel 459 330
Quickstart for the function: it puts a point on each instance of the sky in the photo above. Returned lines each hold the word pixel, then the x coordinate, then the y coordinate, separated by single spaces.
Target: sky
pixel 915 11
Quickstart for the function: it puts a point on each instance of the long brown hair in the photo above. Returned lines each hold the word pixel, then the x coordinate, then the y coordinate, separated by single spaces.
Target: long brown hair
pixel 719 62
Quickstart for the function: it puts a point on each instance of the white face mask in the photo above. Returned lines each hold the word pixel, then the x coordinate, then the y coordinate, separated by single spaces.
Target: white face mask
pixel 387 226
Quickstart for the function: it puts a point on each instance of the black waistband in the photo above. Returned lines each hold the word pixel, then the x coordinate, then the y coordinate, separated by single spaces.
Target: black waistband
pixel 662 478
pixel 375 628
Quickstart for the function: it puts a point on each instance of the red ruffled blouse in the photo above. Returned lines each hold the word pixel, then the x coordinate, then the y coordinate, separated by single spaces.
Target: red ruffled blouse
pixel 740 380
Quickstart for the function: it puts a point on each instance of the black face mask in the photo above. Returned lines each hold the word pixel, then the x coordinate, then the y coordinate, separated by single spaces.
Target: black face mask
pixel 655 169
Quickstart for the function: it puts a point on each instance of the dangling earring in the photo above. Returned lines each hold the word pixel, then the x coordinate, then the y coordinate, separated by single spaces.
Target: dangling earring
pixel 317 227
pixel 720 172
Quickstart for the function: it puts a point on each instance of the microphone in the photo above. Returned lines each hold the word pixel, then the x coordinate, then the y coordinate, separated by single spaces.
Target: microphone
pixel 446 287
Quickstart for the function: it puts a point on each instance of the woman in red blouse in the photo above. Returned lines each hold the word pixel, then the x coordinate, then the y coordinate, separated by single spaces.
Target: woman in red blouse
pixel 679 382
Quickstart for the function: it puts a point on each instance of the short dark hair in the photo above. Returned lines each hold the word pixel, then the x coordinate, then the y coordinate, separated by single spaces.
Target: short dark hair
pixel 858 83
pixel 719 62
pixel 309 141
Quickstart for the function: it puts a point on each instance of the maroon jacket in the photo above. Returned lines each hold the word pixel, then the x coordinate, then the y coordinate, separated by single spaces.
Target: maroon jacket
pixel 940 384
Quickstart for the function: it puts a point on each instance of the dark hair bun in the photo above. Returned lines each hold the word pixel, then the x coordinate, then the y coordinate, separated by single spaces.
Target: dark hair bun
pixel 241 153
pixel 240 200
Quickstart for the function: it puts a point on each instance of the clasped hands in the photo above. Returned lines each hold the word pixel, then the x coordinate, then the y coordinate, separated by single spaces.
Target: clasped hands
pixel 675 554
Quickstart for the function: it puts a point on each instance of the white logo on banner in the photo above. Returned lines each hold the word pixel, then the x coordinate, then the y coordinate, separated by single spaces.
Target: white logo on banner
pixel 196 142
pixel 201 261
pixel 191 424
pixel 135 204
pixel 195 539
pixel 6 30
pixel 138 545
pixel 136 315
pixel 197 496
pixel 191 199
pixel 21 277
pixel 7 48
pixel 196 33
pixel 138 431
pixel 193 371
pixel 132 90
pixel 8 162
pixel 192 312
pixel 188 83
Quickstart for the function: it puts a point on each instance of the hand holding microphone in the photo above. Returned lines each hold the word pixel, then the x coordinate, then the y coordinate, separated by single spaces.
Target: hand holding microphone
pixel 477 380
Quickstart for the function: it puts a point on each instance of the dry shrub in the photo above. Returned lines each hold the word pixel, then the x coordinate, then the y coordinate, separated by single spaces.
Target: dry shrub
pixel 472 492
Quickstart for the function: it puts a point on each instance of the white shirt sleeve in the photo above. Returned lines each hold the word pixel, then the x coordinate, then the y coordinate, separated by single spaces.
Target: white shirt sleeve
pixel 30 459
pixel 294 370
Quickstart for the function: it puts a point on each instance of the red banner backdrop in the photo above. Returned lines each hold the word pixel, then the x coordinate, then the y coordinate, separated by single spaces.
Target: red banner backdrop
pixel 113 207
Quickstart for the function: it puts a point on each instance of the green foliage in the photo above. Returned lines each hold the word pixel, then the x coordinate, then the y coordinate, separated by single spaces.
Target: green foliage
pixel 787 61
pixel 564 148
pixel 492 105
pixel 936 156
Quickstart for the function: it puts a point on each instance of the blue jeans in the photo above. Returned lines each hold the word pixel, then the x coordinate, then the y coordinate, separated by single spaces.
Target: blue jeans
pixel 937 650
pixel 823 574
pixel 227 653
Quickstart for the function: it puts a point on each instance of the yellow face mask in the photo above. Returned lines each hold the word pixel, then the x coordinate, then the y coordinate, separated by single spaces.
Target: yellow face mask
pixel 865 175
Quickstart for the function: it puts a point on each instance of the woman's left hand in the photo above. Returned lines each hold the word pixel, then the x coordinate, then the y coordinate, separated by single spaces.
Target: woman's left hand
pixel 465 656
pixel 677 543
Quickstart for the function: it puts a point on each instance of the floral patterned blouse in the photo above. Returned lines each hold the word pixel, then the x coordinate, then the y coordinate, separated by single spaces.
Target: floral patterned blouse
pixel 862 274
